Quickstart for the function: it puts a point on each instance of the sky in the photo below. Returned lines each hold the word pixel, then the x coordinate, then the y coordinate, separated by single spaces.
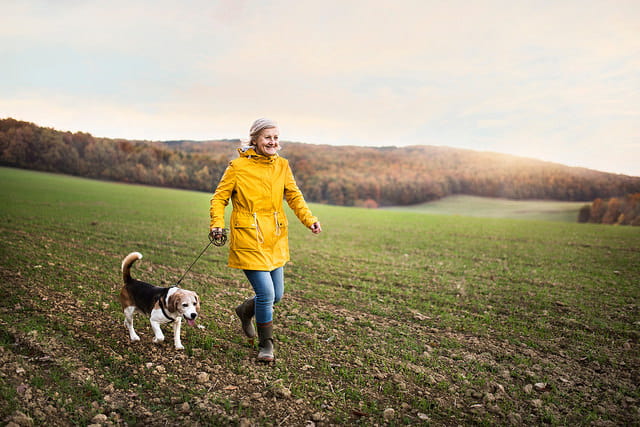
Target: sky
pixel 548 79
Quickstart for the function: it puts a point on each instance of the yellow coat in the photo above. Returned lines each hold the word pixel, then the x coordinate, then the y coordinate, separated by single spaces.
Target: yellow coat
pixel 256 186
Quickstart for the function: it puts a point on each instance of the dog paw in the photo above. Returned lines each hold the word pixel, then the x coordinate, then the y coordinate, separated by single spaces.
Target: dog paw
pixel 157 340
pixel 135 338
pixel 180 347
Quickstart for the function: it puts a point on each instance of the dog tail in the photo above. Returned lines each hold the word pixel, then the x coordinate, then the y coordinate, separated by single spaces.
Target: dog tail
pixel 127 262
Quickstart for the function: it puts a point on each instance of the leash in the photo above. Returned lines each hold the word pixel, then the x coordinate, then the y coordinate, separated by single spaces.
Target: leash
pixel 217 239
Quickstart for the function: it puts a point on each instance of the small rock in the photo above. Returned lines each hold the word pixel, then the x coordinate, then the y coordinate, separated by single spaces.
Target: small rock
pixel 282 392
pixel 514 419
pixel 494 409
pixel 316 416
pixel 489 397
pixel 389 413
pixel 21 419
pixel 185 408
pixel 423 417
pixel 540 386
pixel 202 378
pixel 99 419
pixel 537 403
pixel 528 388
pixel 477 409
pixel 476 395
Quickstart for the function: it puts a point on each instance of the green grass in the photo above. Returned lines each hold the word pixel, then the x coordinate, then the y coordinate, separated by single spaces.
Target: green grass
pixel 430 315
pixel 486 207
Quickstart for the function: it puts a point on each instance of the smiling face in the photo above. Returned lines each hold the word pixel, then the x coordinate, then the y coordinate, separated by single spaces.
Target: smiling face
pixel 267 143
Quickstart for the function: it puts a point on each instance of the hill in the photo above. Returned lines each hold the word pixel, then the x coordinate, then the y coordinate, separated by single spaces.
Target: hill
pixel 350 176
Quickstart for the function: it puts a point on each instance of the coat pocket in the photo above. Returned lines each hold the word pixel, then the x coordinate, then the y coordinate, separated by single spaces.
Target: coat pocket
pixel 244 233
pixel 281 224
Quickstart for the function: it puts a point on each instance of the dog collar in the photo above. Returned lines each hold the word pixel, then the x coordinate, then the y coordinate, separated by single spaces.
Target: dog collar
pixel 161 303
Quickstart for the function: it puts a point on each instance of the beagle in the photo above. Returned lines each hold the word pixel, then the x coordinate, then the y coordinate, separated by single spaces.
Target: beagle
pixel 162 305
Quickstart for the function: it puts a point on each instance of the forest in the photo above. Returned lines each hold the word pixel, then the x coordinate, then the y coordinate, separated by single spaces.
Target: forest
pixel 616 210
pixel 338 175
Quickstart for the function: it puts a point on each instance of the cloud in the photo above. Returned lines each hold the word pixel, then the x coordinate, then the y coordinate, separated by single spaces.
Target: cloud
pixel 553 80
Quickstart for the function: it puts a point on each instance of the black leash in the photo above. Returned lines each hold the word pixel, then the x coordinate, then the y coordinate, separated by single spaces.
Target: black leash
pixel 218 239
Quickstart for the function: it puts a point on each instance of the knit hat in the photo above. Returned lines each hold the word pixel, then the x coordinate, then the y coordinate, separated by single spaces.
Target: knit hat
pixel 259 125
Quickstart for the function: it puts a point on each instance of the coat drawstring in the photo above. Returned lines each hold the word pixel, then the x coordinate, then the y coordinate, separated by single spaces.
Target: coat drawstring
pixel 275 216
pixel 259 236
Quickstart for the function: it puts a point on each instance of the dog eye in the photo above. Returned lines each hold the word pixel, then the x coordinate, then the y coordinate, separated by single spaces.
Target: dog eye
pixel 185 305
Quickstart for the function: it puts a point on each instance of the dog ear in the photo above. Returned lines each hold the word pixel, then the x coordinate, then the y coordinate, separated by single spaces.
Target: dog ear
pixel 174 302
pixel 197 302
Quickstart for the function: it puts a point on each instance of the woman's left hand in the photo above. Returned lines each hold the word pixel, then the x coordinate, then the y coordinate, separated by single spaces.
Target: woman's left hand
pixel 316 228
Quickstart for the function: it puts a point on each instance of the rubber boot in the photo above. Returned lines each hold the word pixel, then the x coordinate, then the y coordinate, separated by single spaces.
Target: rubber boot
pixel 245 312
pixel 265 345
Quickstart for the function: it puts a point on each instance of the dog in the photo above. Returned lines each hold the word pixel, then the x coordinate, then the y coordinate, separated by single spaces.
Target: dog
pixel 162 305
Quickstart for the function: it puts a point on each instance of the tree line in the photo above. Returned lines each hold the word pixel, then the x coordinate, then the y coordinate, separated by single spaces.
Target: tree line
pixel 347 176
pixel 616 210
pixel 28 146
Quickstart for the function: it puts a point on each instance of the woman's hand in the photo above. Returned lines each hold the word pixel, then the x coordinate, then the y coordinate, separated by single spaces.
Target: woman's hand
pixel 316 228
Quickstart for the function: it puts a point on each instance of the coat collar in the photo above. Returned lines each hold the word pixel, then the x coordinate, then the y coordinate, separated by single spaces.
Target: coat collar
pixel 250 153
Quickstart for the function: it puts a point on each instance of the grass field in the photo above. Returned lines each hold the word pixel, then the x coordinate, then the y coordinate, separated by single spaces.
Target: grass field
pixel 388 318
pixel 484 207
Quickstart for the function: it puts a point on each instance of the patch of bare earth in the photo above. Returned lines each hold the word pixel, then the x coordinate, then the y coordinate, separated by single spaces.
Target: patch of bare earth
pixel 54 375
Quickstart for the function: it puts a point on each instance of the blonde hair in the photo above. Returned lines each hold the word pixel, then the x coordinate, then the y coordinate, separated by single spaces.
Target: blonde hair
pixel 258 126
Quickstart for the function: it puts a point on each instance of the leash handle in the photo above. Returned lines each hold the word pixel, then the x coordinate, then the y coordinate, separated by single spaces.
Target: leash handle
pixel 218 238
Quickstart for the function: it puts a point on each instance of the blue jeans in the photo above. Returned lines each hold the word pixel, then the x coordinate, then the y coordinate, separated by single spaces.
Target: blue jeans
pixel 269 288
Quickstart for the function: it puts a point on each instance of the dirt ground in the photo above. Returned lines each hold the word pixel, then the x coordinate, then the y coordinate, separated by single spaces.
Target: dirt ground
pixel 200 389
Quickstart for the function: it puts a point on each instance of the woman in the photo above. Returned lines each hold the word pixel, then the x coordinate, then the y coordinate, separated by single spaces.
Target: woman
pixel 256 183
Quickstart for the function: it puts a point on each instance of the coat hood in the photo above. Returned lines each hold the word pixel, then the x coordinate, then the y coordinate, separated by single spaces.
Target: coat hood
pixel 250 152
